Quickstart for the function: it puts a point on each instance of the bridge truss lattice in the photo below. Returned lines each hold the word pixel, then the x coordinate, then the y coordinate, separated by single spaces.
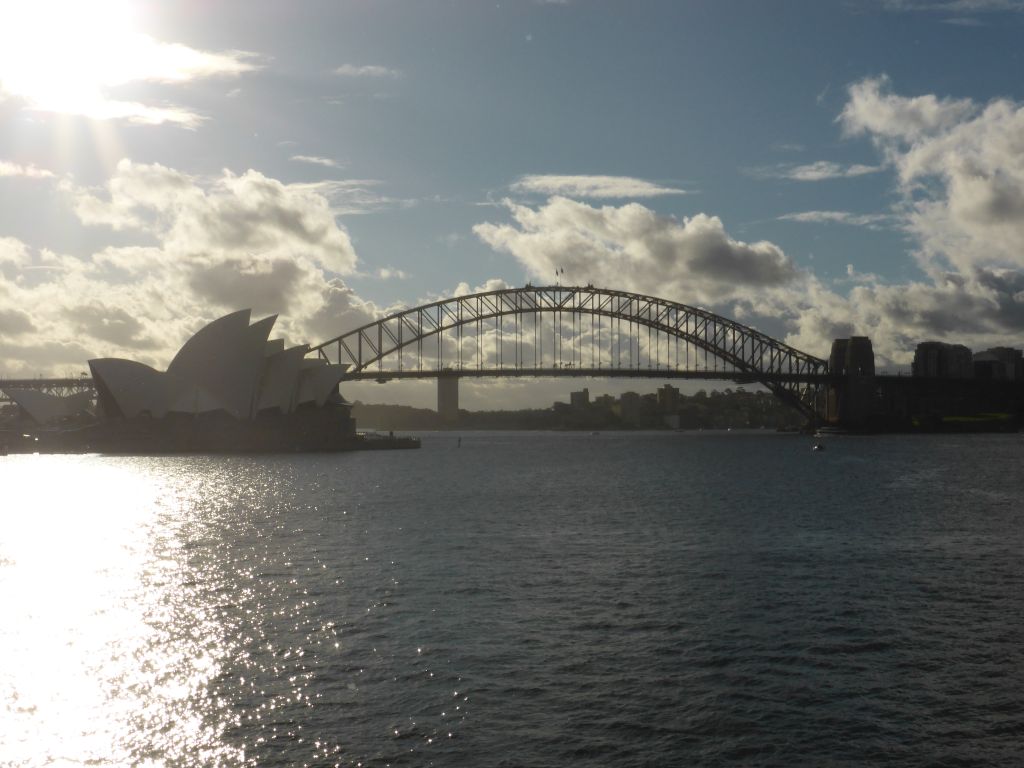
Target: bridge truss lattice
pixel 573 331
pixel 62 387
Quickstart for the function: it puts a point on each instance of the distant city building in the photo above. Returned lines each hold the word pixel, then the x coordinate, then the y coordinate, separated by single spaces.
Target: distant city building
pixel 939 360
pixel 448 399
pixel 668 399
pixel 580 399
pixel 999 363
pixel 630 407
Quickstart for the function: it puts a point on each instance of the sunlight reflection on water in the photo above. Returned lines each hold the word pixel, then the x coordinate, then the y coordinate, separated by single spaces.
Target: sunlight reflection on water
pixel 96 666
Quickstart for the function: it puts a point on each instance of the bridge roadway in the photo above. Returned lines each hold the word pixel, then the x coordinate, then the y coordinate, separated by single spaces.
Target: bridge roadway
pixel 84 383
pixel 740 377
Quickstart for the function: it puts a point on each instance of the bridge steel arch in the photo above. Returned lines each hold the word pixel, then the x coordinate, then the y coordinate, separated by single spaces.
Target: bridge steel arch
pixel 753 356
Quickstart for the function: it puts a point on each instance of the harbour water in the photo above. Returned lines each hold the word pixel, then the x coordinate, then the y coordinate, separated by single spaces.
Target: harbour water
pixel 521 599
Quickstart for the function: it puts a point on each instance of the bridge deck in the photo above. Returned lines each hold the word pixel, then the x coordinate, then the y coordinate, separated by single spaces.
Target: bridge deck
pixel 368 374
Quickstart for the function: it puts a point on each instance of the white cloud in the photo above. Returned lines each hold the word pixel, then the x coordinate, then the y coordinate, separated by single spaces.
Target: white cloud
pixel 491 284
pixel 66 57
pixel 367 70
pixel 326 162
pixel 390 273
pixel 26 171
pixel 229 215
pixel 693 260
pixel 961 173
pixel 870 220
pixel 592 186
pixel 872 110
pixel 14 256
pixel 820 170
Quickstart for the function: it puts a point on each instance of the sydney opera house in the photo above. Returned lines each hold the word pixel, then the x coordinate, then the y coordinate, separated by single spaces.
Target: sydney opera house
pixel 229 388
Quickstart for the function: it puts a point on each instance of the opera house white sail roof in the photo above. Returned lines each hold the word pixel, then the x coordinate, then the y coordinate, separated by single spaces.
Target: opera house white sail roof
pixel 229 365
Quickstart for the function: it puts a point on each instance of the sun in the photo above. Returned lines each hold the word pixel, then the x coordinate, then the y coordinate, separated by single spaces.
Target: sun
pixel 61 55
pixel 69 56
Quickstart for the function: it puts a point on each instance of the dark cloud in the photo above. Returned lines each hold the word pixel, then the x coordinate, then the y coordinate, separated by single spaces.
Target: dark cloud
pixel 264 286
pixel 717 257
pixel 41 356
pixel 111 324
pixel 989 198
pixel 14 322
pixel 342 311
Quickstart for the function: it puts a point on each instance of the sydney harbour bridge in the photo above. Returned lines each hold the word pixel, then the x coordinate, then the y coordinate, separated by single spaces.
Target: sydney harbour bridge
pixel 540 331
pixel 573 331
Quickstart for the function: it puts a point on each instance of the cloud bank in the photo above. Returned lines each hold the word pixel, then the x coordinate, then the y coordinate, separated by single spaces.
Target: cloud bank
pixel 634 248
pixel 201 247
pixel 960 169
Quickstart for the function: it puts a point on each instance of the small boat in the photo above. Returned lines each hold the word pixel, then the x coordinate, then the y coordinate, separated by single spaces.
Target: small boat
pixel 818 447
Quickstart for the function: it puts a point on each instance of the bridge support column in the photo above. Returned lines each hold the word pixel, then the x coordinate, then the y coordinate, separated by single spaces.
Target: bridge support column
pixel 448 398
pixel 851 400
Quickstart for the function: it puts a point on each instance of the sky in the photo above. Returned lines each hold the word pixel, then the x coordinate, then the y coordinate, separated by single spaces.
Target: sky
pixel 813 169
